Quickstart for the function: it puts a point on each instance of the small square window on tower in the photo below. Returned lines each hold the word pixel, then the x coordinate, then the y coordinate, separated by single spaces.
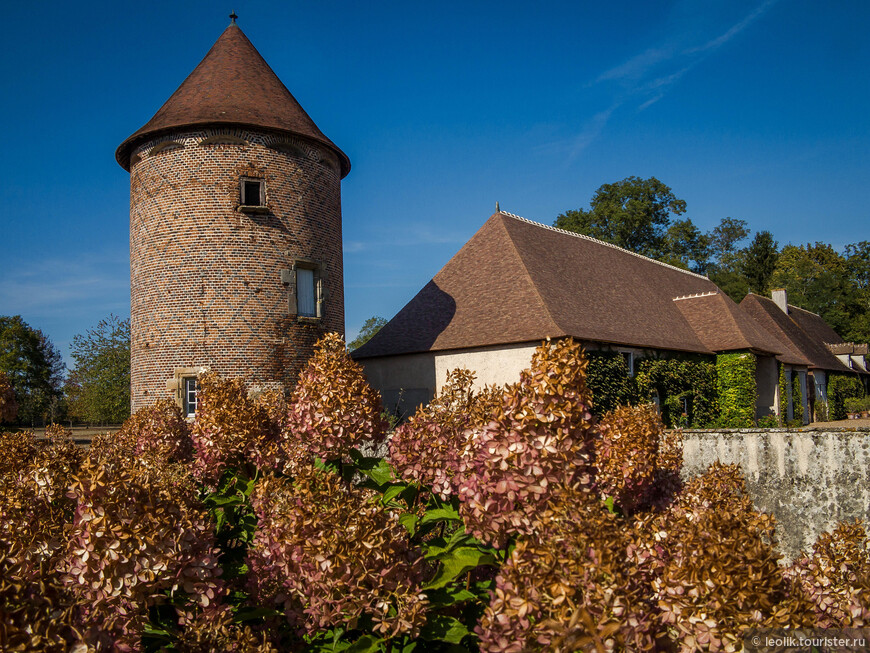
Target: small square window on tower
pixel 252 193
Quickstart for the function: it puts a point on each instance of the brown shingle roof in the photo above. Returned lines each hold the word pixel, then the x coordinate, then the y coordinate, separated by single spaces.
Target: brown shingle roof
pixel 803 348
pixel 232 85
pixel 520 281
pixel 722 326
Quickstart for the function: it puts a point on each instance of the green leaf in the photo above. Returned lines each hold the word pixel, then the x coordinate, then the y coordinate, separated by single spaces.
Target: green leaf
pixel 381 473
pixel 153 631
pixel 440 514
pixel 445 597
pixel 409 521
pixel 219 501
pixel 441 628
pixel 247 614
pixel 392 492
pixel 365 644
pixel 458 562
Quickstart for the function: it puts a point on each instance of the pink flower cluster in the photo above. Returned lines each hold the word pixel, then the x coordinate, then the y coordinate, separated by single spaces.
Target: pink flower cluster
pixel 137 532
pixel 157 432
pixel 635 457
pixel 333 409
pixel 327 553
pixel 430 447
pixel 231 429
pixel 540 439
pixel 835 577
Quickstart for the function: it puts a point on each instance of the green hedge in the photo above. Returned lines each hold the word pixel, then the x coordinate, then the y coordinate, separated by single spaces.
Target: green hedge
pixel 737 389
pixel 840 388
pixel 675 379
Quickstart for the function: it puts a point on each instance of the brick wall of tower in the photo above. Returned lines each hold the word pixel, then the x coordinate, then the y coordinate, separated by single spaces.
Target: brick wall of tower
pixel 206 286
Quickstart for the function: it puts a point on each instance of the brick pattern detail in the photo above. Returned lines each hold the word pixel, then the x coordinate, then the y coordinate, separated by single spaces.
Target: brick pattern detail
pixel 206 286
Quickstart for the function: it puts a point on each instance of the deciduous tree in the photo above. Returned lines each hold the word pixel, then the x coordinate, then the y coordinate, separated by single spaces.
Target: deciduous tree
pixel 633 213
pixel 34 367
pixel 99 384
pixel 369 329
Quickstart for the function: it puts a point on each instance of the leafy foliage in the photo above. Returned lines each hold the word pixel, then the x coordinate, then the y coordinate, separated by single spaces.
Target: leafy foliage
pixel 98 388
pixel 8 405
pixel 737 389
pixel 633 213
pixel 840 388
pixel 256 529
pixel 608 378
pixel 369 328
pixel 679 381
pixel 34 367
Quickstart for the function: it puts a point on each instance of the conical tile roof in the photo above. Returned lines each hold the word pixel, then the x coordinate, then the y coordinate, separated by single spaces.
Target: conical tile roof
pixel 232 85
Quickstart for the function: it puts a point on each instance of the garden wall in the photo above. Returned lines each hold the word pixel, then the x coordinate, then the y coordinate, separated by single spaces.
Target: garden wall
pixel 808 479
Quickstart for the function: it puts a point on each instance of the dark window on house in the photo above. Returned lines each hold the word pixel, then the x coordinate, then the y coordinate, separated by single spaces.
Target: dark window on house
pixel 629 361
pixel 188 389
pixel 253 192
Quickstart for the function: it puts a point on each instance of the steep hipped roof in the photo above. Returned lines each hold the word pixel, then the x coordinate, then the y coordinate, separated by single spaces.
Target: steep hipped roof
pixel 232 85
pixel 805 348
pixel 722 326
pixel 520 281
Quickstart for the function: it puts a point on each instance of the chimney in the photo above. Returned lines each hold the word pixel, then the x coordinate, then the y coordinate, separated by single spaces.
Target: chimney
pixel 780 298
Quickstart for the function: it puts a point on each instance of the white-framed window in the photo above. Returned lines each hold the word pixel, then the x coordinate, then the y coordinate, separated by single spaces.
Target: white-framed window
pixel 252 192
pixel 189 388
pixel 306 285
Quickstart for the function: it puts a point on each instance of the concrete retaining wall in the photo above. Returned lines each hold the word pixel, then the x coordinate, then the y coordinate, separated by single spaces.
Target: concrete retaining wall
pixel 808 479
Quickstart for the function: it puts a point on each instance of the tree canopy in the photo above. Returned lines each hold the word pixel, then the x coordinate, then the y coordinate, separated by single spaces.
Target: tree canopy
pixel 99 384
pixel 633 213
pixel 34 367
pixel 640 215
pixel 369 329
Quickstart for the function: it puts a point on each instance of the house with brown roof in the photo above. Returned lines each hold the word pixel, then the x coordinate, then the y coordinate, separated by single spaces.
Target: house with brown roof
pixel 518 282
pixel 819 350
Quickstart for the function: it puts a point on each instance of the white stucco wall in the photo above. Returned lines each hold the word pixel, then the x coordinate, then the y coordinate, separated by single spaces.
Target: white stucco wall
pixel 491 365
pixel 409 380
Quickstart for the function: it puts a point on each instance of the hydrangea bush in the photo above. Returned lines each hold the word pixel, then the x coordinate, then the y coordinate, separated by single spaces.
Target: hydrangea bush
pixel 506 519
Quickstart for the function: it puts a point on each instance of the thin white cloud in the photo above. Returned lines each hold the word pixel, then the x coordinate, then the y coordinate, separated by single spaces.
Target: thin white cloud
pixel 646 77
pixel 637 65
pixel 59 286
pixel 734 30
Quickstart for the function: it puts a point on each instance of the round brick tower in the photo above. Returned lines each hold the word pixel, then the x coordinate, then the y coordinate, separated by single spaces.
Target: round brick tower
pixel 235 230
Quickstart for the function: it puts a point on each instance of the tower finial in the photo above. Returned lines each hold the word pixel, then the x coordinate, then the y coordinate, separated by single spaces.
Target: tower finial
pixel 233 17
pixel 497 210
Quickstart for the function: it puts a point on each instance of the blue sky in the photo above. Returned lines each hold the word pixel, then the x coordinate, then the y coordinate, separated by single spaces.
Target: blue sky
pixel 750 109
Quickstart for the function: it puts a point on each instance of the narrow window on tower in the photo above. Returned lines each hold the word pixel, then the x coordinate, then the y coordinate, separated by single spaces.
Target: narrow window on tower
pixel 305 282
pixel 252 193
pixel 306 303
pixel 188 390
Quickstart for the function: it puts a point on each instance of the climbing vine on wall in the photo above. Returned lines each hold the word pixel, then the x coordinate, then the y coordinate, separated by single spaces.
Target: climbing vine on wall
pixel 608 377
pixel 783 396
pixel 840 388
pixel 680 384
pixel 797 398
pixel 737 389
